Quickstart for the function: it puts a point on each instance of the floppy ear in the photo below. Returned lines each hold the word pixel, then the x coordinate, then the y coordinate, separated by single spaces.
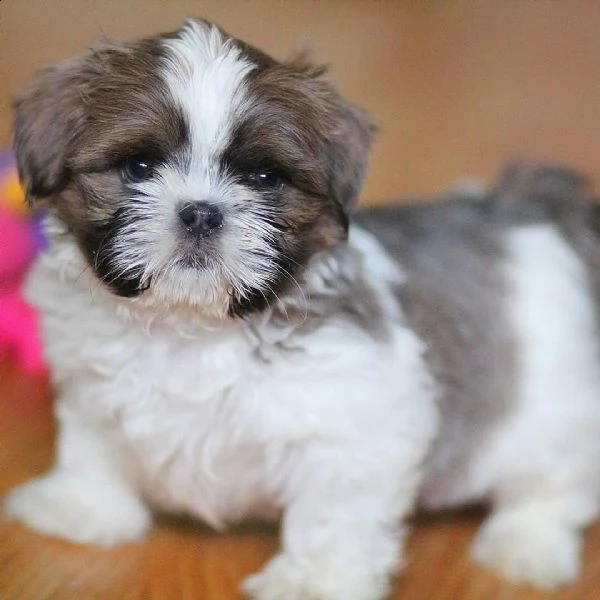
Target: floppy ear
pixel 349 134
pixel 48 117
pixel 348 149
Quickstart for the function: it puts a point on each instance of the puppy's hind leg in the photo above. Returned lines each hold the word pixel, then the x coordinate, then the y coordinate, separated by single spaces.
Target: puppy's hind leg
pixel 546 490
pixel 544 464
pixel 86 497
pixel 535 540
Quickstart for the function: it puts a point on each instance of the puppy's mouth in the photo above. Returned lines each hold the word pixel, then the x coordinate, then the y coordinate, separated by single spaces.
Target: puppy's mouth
pixel 195 261
pixel 199 253
pixel 126 286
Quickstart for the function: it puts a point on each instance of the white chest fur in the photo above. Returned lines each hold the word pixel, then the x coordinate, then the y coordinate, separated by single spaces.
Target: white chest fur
pixel 212 419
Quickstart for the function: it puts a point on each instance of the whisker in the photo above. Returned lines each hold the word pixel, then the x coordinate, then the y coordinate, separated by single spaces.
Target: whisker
pixel 303 295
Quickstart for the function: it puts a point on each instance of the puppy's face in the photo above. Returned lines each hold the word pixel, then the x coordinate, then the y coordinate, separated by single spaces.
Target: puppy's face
pixel 191 167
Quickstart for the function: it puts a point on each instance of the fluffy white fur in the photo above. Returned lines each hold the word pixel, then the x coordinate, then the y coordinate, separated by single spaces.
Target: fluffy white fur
pixel 337 432
pixel 187 415
pixel 543 464
pixel 163 403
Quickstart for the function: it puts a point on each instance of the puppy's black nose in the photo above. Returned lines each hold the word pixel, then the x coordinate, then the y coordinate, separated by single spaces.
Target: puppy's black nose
pixel 201 218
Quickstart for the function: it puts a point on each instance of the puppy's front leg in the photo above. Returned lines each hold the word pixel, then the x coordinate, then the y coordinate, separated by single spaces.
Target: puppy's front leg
pixel 342 526
pixel 86 497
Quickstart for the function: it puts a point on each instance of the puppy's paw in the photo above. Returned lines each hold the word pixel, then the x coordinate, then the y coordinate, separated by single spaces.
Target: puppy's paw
pixel 79 509
pixel 526 548
pixel 286 579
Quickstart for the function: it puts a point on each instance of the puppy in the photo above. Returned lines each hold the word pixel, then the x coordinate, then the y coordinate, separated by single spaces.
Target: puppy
pixel 225 344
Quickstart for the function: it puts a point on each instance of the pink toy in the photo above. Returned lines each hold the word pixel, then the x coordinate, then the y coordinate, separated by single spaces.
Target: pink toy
pixel 19 335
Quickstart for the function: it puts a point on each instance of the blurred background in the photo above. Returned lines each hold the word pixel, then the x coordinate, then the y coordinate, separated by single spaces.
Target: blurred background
pixel 457 87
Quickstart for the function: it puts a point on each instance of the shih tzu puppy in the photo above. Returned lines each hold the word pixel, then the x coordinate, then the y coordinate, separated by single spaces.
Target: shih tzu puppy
pixel 224 343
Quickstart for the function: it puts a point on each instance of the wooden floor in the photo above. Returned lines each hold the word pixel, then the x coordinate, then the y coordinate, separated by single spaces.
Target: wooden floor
pixel 181 561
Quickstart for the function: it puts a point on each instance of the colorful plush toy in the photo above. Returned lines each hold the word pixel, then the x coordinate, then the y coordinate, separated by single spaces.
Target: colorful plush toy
pixel 20 239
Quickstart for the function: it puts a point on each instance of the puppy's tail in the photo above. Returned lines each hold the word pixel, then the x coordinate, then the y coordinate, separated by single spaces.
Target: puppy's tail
pixel 534 191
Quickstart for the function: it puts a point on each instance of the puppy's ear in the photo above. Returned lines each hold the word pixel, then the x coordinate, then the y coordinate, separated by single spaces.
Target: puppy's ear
pixel 348 148
pixel 48 117
pixel 349 134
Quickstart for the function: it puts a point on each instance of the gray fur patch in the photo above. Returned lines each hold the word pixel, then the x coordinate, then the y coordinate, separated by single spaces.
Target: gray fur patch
pixel 454 298
pixel 340 292
pixel 559 195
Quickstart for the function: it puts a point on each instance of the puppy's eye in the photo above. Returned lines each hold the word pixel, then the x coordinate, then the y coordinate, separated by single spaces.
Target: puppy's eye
pixel 138 168
pixel 266 178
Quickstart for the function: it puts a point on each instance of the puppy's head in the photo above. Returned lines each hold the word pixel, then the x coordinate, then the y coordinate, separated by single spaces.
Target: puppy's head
pixel 191 167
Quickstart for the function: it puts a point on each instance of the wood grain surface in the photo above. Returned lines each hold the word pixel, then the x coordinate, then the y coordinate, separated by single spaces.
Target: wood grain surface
pixel 182 560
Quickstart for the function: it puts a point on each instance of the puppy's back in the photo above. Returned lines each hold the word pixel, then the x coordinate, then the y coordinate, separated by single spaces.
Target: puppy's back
pixel 455 251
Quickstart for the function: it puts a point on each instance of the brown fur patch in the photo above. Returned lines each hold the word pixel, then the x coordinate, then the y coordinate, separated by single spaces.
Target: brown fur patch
pixel 89 113
pixel 297 124
pixel 81 120
pixel 455 299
